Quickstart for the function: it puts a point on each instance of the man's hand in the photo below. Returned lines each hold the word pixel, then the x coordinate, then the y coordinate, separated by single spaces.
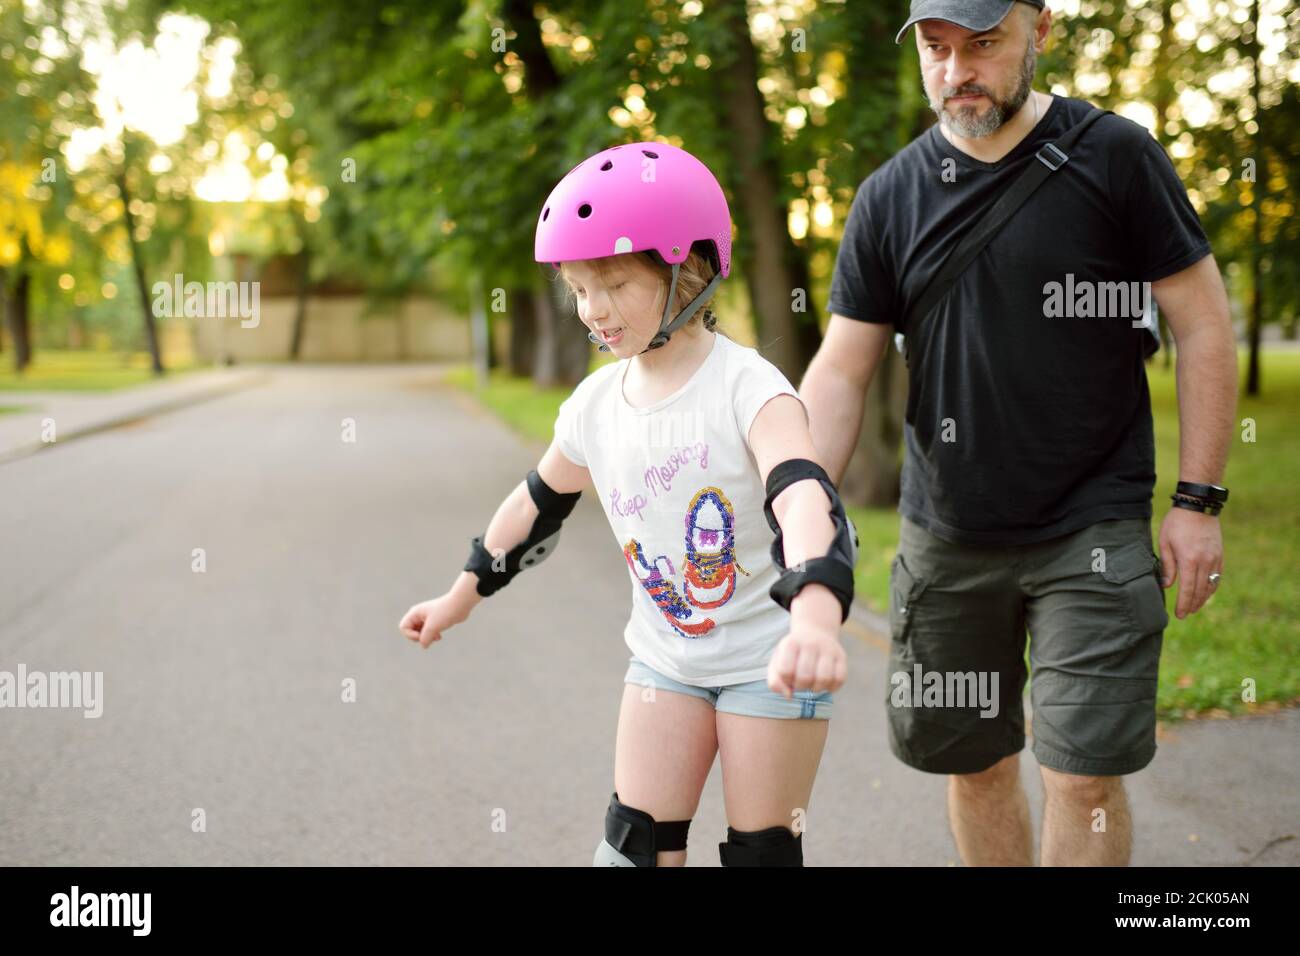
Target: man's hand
pixel 1191 546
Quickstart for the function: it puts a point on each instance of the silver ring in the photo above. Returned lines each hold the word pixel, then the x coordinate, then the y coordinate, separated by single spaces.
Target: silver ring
pixel 1214 577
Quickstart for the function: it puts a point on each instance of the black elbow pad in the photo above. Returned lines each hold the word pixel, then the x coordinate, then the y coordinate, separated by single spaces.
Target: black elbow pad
pixel 835 569
pixel 552 509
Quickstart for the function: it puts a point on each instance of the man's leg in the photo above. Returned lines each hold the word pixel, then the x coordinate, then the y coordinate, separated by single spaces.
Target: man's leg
pixel 956 675
pixel 990 816
pixel 1086 820
pixel 1096 617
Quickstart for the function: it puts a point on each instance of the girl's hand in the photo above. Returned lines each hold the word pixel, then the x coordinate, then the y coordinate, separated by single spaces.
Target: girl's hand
pixel 810 657
pixel 426 621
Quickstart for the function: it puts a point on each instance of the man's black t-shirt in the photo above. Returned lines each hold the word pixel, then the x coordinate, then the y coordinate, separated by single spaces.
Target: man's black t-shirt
pixel 1031 415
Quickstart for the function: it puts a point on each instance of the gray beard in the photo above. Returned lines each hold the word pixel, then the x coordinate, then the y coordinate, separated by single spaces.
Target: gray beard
pixel 969 125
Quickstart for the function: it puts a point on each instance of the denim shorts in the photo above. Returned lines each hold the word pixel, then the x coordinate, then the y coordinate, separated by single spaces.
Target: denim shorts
pixel 752 699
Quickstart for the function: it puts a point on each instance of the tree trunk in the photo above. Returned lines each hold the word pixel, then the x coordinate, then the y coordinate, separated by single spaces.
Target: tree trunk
pixel 1162 74
pixel 1260 183
pixel 137 263
pixel 532 344
pixel 303 292
pixel 769 250
pixel 523 333
pixel 546 369
pixel 492 335
pixel 1256 301
pixel 18 317
pixel 808 331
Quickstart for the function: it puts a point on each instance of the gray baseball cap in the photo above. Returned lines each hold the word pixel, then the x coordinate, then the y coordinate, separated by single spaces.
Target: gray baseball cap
pixel 977 15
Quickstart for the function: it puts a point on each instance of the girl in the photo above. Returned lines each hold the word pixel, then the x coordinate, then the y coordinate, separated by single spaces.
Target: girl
pixel 732 653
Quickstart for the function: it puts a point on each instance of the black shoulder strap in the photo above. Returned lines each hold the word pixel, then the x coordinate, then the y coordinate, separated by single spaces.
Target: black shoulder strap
pixel 1051 157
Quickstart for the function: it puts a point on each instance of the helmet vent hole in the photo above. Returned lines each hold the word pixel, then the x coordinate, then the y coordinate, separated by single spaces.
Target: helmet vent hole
pixel 546 212
pixel 607 166
pixel 584 210
pixel 650 154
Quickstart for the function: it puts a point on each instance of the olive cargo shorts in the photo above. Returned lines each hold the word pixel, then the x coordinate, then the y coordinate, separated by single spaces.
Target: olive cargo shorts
pixel 1095 613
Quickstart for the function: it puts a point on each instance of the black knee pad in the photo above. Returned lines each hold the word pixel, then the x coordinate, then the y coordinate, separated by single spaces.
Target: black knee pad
pixel 775 846
pixel 637 837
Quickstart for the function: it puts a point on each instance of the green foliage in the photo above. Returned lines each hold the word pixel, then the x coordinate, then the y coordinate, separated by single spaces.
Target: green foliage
pixel 1198 91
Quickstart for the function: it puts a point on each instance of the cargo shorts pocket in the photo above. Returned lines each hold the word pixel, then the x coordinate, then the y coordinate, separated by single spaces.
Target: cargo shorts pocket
pixel 1135 569
pixel 1094 725
pixel 904 590
pixel 931 733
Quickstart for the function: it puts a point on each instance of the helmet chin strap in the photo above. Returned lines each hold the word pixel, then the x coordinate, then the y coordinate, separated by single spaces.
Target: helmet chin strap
pixel 667 328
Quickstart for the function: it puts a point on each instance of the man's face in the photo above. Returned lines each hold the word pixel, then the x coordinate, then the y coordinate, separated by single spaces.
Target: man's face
pixel 975 82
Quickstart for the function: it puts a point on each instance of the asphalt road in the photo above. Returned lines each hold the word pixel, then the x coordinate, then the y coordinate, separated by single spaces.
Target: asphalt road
pixel 226 737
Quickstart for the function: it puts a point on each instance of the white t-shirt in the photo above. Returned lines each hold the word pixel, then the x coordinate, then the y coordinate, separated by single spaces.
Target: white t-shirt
pixel 682 494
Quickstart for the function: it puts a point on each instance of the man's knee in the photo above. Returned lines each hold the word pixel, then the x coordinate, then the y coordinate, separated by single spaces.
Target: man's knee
pixel 1080 789
pixel 1003 775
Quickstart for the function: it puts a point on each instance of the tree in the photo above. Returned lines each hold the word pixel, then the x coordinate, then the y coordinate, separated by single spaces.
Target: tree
pixel 1217 91
pixel 42 90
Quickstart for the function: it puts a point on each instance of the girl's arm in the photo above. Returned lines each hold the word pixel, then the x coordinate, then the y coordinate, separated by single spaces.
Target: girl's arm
pixel 509 527
pixel 514 518
pixel 780 432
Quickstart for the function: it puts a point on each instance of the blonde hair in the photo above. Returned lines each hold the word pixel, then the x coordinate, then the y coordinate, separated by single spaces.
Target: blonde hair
pixel 695 272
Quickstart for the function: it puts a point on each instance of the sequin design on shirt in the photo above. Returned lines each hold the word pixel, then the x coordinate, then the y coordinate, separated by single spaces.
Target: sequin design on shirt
pixel 663 592
pixel 711 563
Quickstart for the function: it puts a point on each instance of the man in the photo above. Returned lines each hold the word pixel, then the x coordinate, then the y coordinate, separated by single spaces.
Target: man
pixel 1029 460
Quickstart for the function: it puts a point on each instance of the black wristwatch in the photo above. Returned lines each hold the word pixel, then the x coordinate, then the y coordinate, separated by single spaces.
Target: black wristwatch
pixel 1207 499
pixel 1209 492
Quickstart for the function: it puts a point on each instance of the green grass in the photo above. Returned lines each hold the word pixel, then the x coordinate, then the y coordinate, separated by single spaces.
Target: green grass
pixel 83 370
pixel 529 410
pixel 1250 629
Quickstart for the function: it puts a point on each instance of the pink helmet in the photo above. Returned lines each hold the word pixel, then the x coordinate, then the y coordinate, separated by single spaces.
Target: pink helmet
pixel 639 197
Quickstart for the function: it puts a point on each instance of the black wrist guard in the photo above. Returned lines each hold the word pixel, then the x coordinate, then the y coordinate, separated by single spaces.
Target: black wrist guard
pixel 835 569
pixel 494 573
